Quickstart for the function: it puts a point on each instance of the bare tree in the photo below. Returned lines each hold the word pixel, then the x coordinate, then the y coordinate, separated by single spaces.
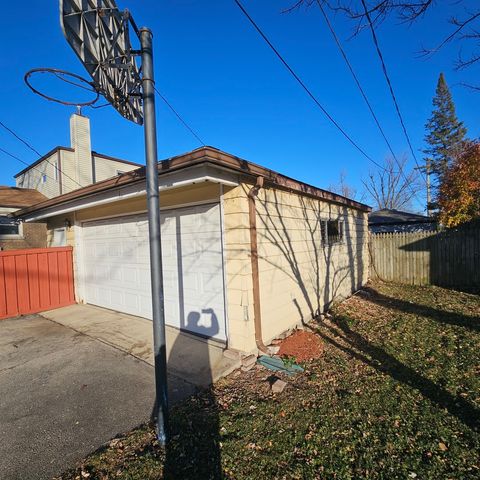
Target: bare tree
pixel 342 187
pixel 391 187
pixel 465 24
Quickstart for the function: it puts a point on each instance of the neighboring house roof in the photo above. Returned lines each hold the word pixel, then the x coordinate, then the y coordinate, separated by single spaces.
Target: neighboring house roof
pixel 207 156
pixel 386 216
pixel 394 221
pixel 14 197
pixel 56 149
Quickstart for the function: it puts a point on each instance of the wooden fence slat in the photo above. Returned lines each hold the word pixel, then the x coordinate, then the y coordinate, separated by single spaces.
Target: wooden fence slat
pixel 34 286
pixel 34 280
pixel 3 298
pixel 43 280
pixel 10 286
pixel 21 275
pixel 53 281
pixel 449 258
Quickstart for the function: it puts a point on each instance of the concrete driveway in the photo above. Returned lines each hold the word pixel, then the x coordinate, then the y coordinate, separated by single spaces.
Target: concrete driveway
pixel 63 394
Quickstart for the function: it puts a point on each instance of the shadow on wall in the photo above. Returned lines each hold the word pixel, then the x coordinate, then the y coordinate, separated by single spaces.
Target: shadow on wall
pixel 332 270
pixel 452 258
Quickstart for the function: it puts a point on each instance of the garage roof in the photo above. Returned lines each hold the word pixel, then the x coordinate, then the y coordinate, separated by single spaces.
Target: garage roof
pixel 203 155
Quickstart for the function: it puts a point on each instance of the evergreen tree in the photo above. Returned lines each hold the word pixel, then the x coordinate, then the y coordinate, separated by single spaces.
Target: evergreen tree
pixel 445 133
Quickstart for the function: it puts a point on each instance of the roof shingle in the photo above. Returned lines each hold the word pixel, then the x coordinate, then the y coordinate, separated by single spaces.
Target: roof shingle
pixel 14 197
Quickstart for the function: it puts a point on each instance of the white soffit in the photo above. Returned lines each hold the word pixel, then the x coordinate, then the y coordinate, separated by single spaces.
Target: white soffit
pixel 167 181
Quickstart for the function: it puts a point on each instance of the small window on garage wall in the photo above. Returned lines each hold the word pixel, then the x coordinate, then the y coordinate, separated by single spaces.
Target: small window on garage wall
pixel 10 228
pixel 332 231
pixel 59 237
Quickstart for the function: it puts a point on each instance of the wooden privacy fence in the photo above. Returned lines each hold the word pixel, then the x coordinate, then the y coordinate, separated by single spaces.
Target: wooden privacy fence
pixel 35 280
pixel 448 258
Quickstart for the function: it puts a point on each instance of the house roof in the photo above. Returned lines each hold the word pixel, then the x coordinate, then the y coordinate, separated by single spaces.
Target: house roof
pixel 14 197
pixel 115 159
pixel 387 216
pixel 68 149
pixel 208 156
pixel 41 159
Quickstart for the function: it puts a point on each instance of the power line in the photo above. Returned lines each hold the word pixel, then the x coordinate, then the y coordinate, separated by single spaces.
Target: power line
pixel 21 139
pixel 354 75
pixel 185 124
pixel 37 152
pixel 364 95
pixel 389 83
pixel 307 90
pixel 25 163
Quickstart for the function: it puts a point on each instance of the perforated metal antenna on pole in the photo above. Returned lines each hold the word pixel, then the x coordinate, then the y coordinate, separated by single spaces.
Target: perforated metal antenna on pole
pixel 98 32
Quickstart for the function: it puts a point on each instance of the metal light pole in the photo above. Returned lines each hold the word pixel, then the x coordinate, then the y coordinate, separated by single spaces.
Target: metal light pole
pixel 153 204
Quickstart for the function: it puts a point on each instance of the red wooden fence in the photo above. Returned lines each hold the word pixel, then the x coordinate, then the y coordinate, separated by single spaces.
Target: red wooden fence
pixel 35 280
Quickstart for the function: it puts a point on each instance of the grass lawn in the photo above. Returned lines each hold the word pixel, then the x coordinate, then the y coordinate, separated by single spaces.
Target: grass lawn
pixel 396 395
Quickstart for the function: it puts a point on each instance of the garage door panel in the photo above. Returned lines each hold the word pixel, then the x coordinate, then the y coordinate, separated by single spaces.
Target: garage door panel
pixel 118 269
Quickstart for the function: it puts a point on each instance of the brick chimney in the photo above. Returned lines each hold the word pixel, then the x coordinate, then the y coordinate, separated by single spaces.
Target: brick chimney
pixel 80 142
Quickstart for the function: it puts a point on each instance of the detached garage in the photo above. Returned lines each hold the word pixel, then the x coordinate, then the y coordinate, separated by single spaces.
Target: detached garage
pixel 247 252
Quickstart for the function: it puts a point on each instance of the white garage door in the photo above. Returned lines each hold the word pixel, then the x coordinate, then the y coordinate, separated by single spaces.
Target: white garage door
pixel 117 269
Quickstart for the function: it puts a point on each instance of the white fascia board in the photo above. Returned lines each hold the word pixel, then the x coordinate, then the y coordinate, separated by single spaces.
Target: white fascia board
pixel 182 178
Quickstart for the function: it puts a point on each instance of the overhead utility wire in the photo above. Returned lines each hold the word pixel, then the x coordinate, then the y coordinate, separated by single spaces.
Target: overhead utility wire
pixel 389 83
pixel 362 91
pixel 25 163
pixel 185 124
pixel 37 152
pixel 21 139
pixel 307 90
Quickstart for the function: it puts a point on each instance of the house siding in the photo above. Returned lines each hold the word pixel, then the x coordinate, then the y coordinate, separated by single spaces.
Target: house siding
pixel 33 178
pixel 238 269
pixel 69 172
pixel 299 277
pixel 81 144
pixel 104 168
pixel 71 177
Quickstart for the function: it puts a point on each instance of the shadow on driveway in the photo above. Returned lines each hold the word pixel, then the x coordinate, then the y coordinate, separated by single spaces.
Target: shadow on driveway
pixel 63 395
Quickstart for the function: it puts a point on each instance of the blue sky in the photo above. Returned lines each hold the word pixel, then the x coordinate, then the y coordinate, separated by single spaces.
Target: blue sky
pixel 222 78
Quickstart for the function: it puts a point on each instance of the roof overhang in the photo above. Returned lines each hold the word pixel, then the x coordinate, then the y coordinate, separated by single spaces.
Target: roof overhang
pixel 222 168
pixel 189 176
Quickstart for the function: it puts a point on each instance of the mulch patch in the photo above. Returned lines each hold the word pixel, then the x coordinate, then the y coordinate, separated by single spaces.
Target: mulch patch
pixel 302 345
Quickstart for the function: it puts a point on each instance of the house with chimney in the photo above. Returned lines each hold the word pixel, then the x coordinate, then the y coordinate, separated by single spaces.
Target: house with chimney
pixel 60 171
pixel 64 169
